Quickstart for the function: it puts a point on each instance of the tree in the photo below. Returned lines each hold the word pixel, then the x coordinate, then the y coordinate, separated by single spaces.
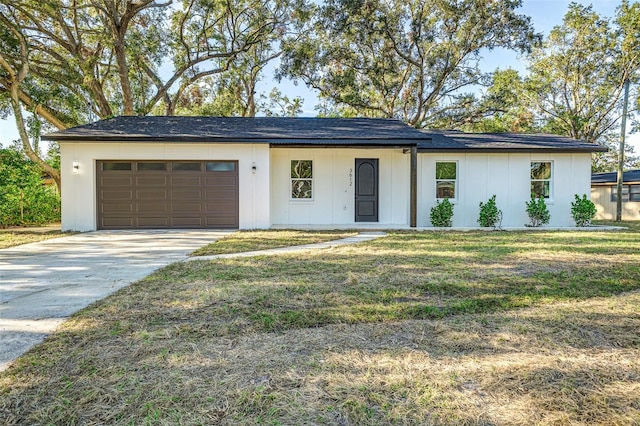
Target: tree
pixel 608 161
pixel 24 200
pixel 59 55
pixel 405 59
pixel 499 108
pixel 576 76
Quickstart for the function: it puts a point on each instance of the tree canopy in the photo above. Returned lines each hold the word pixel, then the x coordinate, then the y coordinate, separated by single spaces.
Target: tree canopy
pixel 409 59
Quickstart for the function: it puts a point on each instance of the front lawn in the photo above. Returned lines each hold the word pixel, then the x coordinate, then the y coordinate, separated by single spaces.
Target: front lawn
pixel 11 238
pixel 414 328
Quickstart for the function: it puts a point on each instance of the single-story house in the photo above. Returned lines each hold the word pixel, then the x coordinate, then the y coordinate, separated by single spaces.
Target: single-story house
pixel 604 194
pixel 212 172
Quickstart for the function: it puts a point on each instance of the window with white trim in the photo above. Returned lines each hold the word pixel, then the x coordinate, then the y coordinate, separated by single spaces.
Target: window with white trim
pixel 301 179
pixel 541 173
pixel 446 179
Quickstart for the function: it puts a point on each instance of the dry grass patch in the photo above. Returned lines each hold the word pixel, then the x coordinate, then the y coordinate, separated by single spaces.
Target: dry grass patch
pixel 9 238
pixel 245 241
pixel 432 328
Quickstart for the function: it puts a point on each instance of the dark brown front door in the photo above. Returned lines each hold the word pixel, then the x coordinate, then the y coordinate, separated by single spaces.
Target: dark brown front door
pixel 167 194
pixel 366 190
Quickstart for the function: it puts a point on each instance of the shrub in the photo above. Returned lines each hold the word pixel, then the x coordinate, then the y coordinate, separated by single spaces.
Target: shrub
pixel 24 200
pixel 583 210
pixel 490 215
pixel 537 211
pixel 442 214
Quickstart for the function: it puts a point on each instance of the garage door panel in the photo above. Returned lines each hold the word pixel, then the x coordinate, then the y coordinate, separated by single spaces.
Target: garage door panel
pixel 153 222
pixel 221 179
pixel 153 180
pixel 118 195
pixel 221 222
pixel 152 208
pixel 186 195
pixel 117 222
pixel 168 198
pixel 187 207
pixel 151 195
pixel 219 206
pixel 187 222
pixel 188 181
pixel 220 194
pixel 117 208
pixel 111 181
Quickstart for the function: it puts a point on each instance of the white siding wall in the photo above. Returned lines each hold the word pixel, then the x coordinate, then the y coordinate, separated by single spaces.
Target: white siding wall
pixel 79 190
pixel 508 177
pixel 606 209
pixel 333 186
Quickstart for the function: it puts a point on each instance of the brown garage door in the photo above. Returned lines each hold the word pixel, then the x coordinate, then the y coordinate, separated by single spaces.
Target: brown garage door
pixel 167 194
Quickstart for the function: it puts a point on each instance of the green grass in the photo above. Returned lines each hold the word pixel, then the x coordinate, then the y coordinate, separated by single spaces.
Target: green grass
pixel 12 238
pixel 245 241
pixel 427 328
pixel 632 225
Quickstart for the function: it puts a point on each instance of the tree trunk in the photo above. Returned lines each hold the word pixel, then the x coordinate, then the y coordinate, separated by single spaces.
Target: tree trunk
pixel 26 144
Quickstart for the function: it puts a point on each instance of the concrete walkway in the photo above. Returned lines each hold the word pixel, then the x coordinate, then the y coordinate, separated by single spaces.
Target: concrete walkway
pixel 42 284
pixel 363 236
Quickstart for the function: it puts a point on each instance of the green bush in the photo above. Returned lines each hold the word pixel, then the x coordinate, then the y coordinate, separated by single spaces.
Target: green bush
pixel 24 200
pixel 442 214
pixel 583 210
pixel 537 211
pixel 490 215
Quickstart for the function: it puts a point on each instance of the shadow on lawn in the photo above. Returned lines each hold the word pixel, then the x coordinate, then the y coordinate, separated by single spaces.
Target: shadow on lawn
pixel 450 330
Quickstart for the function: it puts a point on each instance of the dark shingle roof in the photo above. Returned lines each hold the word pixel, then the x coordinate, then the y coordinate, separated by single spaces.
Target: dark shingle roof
pixel 612 177
pixel 454 141
pixel 311 131
pixel 274 130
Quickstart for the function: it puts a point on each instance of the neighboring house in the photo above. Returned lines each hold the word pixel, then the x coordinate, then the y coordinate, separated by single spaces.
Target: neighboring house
pixel 604 194
pixel 210 172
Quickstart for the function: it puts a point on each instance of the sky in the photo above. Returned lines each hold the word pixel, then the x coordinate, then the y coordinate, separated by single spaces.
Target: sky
pixel 545 14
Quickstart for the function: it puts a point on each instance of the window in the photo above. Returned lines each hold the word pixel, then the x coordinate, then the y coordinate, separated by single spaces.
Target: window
pixel 629 193
pixel 634 192
pixel 301 179
pixel 625 193
pixel 221 166
pixel 185 167
pixel 541 179
pixel 446 179
pixel 151 167
pixel 113 166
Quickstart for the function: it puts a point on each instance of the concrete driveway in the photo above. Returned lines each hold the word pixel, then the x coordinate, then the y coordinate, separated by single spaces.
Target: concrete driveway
pixel 43 283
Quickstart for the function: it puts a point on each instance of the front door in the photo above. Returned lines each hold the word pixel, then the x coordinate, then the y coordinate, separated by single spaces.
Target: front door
pixel 366 190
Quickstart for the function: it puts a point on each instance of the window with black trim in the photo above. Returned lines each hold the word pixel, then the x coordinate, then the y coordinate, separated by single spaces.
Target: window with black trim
pixel 446 179
pixel 301 179
pixel 541 173
pixel 629 193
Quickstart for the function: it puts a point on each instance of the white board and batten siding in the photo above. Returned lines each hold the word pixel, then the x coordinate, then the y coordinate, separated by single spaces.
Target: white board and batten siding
pixel 333 201
pixel 507 175
pixel 79 189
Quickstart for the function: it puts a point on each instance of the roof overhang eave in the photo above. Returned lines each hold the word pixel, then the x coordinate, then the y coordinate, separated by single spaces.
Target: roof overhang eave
pixel 510 150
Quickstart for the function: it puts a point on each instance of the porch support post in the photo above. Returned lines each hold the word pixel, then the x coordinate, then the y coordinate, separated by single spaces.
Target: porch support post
pixel 413 203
